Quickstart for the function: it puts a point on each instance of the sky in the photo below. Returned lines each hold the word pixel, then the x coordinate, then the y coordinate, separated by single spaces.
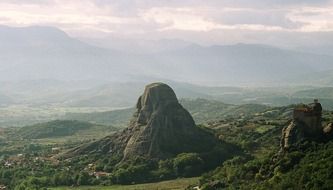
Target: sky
pixel 277 22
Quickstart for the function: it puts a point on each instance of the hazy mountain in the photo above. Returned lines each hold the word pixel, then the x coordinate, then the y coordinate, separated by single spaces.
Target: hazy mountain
pixel 242 63
pixel 138 46
pixel 45 52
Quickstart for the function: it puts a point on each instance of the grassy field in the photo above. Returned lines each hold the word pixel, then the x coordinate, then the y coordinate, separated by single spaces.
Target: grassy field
pixel 21 115
pixel 177 184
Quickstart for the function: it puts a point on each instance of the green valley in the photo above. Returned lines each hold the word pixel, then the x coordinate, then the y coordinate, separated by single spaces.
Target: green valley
pixel 250 136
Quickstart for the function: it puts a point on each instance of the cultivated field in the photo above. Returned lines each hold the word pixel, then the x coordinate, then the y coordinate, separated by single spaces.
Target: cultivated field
pixel 178 184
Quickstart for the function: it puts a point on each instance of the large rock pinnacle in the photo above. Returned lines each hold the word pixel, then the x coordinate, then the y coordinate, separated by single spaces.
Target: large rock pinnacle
pixel 155 96
pixel 160 128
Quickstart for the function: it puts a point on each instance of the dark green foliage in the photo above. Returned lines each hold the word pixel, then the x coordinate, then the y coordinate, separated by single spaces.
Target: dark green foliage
pixel 33 183
pixel 188 165
pixel 309 167
pixel 62 178
pixel 83 179
pixel 140 170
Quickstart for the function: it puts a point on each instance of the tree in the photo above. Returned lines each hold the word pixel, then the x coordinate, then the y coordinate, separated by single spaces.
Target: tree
pixel 83 179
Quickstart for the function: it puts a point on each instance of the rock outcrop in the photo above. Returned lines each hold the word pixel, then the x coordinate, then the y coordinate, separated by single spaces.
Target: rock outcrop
pixel 328 131
pixel 160 128
pixel 306 125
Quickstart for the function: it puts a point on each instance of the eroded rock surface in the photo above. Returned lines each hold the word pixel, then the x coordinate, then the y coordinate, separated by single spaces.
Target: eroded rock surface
pixel 160 128
pixel 306 125
pixel 328 131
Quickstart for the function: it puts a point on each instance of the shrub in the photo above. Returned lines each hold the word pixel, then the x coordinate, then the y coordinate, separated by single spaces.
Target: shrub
pixel 188 165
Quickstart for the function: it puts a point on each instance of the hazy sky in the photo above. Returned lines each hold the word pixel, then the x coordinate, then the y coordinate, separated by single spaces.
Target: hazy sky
pixel 203 21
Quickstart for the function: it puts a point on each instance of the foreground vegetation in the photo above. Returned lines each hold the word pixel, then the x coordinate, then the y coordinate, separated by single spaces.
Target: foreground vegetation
pixel 32 163
pixel 309 167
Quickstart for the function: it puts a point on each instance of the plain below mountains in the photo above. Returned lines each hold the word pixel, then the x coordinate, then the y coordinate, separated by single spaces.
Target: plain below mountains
pixel 202 110
pixel 63 128
pixel 92 93
pixel 35 101
pixel 100 123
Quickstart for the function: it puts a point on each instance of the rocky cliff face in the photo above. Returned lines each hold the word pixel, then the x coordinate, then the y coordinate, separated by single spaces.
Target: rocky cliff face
pixel 160 128
pixel 292 134
pixel 306 125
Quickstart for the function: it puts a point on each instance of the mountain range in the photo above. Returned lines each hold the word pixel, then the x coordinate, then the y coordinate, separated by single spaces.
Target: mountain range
pixel 39 52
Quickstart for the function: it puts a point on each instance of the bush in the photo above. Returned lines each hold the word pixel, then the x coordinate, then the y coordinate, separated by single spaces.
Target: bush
pixel 188 165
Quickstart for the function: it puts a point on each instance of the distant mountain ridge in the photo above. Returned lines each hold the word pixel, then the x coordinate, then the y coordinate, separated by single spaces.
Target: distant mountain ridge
pixel 46 52
pixel 240 62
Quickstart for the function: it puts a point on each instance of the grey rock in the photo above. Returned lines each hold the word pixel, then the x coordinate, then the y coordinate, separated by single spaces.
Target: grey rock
pixel 160 128
pixel 306 125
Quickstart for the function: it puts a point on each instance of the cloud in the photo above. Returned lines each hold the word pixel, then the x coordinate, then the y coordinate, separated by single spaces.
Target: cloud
pixel 236 19
pixel 277 18
pixel 28 2
pixel 178 19
pixel 317 18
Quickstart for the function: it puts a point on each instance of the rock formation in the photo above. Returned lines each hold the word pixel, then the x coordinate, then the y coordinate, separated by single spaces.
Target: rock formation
pixel 328 131
pixel 306 125
pixel 160 128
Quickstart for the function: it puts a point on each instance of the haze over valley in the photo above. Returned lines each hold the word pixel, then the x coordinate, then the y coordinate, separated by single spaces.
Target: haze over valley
pixel 45 74
pixel 195 95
